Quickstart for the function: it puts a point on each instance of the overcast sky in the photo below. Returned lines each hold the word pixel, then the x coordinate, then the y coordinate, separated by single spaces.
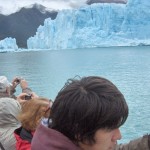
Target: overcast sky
pixel 10 6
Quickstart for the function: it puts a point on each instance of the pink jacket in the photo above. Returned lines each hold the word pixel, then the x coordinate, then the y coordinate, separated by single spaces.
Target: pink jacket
pixel 49 139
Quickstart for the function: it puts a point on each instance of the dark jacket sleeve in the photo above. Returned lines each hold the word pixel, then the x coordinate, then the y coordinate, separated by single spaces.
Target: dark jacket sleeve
pixel 142 143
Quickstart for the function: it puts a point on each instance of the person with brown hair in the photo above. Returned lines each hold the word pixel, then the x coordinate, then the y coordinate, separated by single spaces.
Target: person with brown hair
pixel 30 117
pixel 86 115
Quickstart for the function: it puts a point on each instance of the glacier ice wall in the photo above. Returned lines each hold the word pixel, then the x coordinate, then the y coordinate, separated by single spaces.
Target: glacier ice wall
pixel 95 26
pixel 9 44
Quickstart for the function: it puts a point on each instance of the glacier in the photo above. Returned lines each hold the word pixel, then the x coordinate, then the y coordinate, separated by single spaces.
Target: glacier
pixel 8 44
pixel 96 25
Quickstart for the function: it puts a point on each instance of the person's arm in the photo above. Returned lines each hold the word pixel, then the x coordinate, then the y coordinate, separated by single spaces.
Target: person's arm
pixel 142 143
pixel 24 87
pixel 14 82
pixel 23 84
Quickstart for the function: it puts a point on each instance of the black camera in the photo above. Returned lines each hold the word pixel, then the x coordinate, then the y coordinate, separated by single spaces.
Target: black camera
pixel 18 79
pixel 27 97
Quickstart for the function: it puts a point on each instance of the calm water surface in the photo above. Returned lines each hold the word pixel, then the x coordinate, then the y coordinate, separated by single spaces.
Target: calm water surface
pixel 127 67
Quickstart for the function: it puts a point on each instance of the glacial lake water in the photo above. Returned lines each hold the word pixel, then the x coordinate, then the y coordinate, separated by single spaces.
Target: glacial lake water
pixel 127 67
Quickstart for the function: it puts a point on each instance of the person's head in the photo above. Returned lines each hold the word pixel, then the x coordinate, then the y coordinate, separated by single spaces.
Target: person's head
pixel 32 112
pixel 89 111
pixel 5 85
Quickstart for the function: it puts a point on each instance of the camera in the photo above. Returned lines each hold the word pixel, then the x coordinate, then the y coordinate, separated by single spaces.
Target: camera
pixel 27 97
pixel 18 79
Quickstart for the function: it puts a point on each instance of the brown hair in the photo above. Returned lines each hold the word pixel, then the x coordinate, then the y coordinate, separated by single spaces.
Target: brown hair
pixel 32 112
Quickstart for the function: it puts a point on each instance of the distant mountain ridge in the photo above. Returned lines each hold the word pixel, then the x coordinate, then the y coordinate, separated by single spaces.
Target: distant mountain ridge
pixel 24 23
pixel 89 2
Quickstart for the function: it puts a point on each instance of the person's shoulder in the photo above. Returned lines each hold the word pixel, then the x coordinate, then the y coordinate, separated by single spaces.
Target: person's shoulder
pixel 6 99
pixel 141 143
pixel 7 103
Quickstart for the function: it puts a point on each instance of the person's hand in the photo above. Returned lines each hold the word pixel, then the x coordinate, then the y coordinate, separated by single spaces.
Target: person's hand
pixel 15 82
pixel 21 98
pixel 34 95
pixel 23 84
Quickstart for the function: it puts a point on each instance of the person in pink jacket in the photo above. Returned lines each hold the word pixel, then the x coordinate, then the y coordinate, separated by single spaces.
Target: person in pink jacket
pixel 86 115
